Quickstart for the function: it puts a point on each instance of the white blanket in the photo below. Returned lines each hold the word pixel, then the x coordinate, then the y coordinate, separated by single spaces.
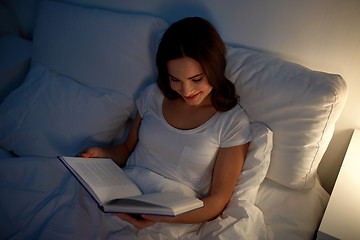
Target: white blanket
pixel 42 200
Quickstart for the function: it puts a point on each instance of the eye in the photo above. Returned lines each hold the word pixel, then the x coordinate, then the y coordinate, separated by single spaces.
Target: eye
pixel 197 79
pixel 174 79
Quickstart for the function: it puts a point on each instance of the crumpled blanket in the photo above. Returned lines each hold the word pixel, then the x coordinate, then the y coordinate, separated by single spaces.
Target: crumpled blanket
pixel 42 200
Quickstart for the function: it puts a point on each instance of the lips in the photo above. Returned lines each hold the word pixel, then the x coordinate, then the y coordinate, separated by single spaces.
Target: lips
pixel 192 96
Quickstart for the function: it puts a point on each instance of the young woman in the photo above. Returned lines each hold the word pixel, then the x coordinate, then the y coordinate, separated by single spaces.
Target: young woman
pixel 189 127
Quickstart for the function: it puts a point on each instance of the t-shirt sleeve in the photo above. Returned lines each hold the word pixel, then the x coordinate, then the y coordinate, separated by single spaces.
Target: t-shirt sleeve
pixel 236 129
pixel 142 102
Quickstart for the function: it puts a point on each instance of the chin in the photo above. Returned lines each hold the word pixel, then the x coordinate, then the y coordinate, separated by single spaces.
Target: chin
pixel 194 102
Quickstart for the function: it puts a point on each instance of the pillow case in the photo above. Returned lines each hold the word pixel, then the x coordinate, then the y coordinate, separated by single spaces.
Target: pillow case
pixel 256 163
pixel 50 114
pixel 299 105
pixel 96 47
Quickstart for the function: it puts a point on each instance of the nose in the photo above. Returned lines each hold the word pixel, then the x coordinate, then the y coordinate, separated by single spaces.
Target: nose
pixel 187 88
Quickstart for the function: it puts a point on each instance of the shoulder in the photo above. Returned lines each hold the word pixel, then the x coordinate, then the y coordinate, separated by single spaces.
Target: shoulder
pixel 236 118
pixel 150 93
pixel 150 98
pixel 235 127
pixel 152 89
pixel 237 113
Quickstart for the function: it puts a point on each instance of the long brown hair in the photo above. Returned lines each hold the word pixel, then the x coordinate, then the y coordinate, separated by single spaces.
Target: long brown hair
pixel 196 38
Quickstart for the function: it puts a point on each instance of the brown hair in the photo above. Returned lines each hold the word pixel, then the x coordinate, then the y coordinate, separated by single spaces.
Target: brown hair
pixel 197 38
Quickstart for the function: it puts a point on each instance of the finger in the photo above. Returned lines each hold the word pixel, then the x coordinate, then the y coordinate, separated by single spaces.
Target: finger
pixel 123 216
pixel 88 153
pixel 120 215
pixel 79 154
pixel 155 218
pixel 138 223
pixel 148 217
pixel 85 155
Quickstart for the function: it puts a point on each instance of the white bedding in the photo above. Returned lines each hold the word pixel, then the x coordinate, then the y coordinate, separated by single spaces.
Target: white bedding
pixel 42 200
pixel 299 212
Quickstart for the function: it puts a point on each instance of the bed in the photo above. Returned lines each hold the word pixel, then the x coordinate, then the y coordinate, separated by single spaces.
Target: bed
pixel 87 67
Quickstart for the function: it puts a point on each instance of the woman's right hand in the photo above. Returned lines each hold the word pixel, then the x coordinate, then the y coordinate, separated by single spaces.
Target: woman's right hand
pixel 120 152
pixel 94 152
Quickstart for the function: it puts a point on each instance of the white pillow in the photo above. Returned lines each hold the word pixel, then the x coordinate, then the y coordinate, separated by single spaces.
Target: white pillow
pixel 300 106
pixel 96 47
pixel 50 115
pixel 256 163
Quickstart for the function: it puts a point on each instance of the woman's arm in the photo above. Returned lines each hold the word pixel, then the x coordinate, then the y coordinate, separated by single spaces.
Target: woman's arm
pixel 226 172
pixel 119 153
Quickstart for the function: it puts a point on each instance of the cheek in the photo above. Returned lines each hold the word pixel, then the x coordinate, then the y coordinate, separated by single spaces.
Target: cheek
pixel 174 85
pixel 205 86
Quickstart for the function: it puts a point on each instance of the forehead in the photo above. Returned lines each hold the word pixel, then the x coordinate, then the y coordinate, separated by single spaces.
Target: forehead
pixel 184 67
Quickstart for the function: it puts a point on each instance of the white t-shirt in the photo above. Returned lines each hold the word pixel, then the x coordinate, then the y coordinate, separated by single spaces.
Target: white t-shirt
pixel 186 156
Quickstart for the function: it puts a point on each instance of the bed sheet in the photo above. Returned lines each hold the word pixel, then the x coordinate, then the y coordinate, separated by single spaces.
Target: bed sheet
pixel 292 214
pixel 40 199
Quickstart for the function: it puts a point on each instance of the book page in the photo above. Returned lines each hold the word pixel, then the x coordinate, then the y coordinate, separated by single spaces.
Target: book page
pixel 104 177
pixel 101 174
pixel 163 203
pixel 168 199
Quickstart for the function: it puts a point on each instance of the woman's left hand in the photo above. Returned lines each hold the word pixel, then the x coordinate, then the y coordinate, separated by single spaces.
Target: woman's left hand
pixel 140 221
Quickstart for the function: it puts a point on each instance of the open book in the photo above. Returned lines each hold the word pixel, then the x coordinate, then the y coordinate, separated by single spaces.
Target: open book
pixel 115 192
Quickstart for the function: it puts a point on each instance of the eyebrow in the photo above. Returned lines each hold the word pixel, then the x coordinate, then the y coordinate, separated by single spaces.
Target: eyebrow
pixel 197 75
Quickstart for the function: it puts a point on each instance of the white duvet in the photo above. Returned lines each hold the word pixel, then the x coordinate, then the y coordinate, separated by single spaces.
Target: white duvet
pixel 42 200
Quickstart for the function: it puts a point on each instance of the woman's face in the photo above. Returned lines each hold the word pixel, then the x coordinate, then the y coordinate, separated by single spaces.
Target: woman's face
pixel 188 79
